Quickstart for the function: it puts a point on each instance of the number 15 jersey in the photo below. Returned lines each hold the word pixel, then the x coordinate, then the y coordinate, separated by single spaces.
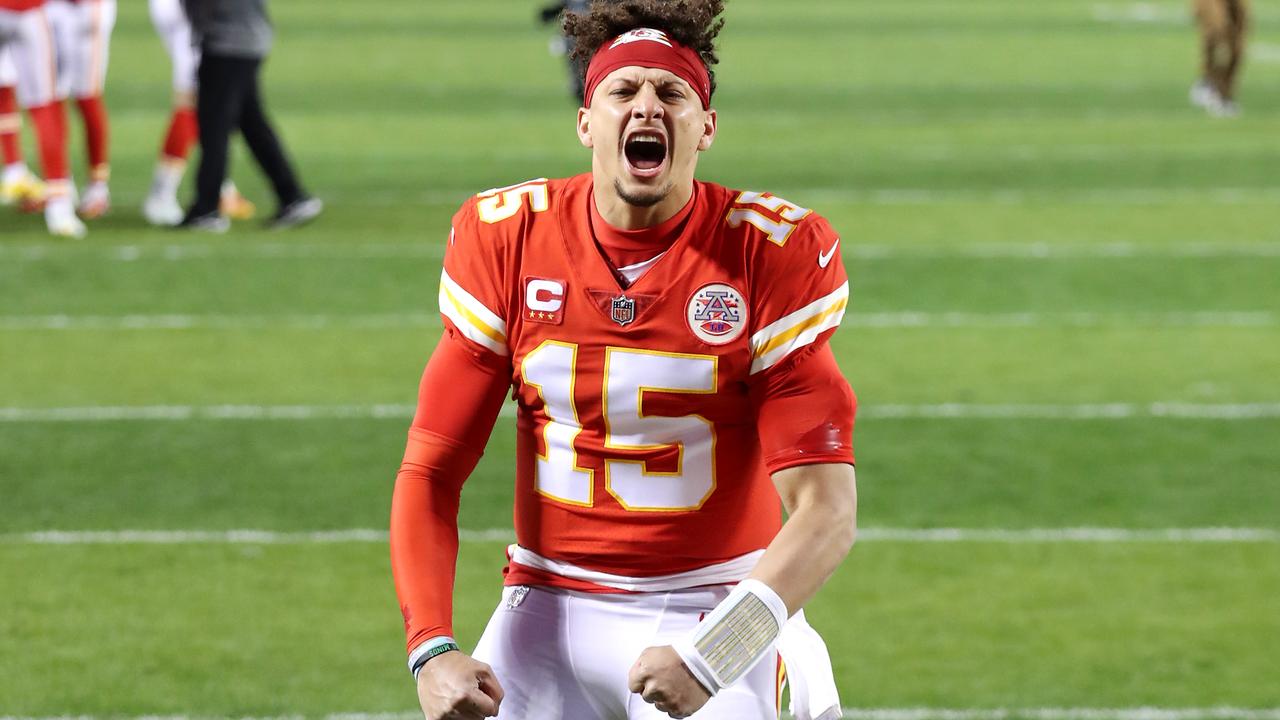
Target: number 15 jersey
pixel 638 456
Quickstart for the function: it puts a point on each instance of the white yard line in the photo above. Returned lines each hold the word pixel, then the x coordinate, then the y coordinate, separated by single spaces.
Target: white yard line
pixel 1219 712
pixel 37 252
pixel 1028 536
pixel 219 321
pixel 942 411
pixel 900 319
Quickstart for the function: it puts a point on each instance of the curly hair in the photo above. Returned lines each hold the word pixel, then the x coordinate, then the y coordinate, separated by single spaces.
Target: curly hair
pixel 692 23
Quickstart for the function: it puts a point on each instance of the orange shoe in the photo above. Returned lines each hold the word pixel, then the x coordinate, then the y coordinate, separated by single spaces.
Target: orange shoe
pixel 236 206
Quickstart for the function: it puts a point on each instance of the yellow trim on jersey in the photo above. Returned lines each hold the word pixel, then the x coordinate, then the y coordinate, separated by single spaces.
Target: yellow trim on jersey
pixel 779 339
pixel 475 321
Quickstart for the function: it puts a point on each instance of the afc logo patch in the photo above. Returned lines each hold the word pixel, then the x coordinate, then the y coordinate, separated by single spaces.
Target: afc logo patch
pixel 717 314
pixel 544 300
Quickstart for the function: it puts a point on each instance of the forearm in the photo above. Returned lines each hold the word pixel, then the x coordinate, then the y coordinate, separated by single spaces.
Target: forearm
pixel 458 401
pixel 822 502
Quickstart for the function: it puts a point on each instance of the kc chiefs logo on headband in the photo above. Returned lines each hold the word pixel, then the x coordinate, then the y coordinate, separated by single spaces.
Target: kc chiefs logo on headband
pixel 649 48
pixel 641 34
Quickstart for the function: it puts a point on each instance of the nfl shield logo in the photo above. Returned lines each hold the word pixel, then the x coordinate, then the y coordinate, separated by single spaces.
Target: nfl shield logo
pixel 622 309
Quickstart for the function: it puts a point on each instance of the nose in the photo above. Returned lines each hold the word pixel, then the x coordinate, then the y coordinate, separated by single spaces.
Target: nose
pixel 646 105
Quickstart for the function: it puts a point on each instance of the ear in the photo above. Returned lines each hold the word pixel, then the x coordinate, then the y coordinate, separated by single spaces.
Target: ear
pixel 708 131
pixel 584 127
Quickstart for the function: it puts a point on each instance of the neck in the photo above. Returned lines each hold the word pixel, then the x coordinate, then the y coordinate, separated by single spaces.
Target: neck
pixel 623 215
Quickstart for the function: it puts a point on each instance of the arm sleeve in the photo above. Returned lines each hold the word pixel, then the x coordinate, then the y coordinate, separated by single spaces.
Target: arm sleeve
pixel 804 411
pixel 461 393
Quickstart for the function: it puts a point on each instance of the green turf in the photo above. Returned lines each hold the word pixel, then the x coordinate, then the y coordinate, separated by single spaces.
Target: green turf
pixel 255 630
pixel 982 157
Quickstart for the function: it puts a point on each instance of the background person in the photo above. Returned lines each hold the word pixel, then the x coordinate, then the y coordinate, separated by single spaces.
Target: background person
pixel 25 33
pixel 161 206
pixel 1222 24
pixel 235 37
pixel 18 185
pixel 82 37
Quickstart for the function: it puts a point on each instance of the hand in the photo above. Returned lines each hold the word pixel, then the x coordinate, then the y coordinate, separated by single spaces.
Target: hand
pixel 661 678
pixel 454 686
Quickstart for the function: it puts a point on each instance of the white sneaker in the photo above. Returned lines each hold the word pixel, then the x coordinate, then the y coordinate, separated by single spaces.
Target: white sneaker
pixel 162 210
pixel 96 201
pixel 1202 94
pixel 60 218
pixel 1224 109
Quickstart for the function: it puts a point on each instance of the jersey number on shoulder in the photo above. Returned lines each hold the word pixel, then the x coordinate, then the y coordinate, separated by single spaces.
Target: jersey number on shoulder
pixel 628 375
pixel 778 224
pixel 499 204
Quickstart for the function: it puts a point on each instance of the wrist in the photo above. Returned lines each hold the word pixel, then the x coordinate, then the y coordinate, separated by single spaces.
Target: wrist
pixel 734 636
pixel 428 649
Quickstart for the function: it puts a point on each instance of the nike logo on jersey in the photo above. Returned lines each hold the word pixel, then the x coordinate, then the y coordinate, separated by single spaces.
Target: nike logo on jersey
pixel 824 259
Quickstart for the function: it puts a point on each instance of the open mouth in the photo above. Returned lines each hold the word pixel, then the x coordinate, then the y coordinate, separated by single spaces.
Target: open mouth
pixel 646 152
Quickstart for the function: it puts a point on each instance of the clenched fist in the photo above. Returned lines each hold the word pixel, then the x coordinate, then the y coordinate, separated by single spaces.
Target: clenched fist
pixel 661 679
pixel 454 686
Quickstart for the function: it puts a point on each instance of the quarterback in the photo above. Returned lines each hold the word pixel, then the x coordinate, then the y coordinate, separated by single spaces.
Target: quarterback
pixel 666 343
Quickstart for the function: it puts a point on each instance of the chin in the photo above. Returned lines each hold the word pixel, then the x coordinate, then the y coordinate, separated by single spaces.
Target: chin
pixel 641 196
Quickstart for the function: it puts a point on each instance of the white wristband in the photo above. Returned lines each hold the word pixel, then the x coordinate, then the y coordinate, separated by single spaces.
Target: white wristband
pixel 734 636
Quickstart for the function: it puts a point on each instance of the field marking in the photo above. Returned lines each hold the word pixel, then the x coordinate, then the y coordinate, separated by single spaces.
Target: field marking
pixel 392 411
pixel 899 319
pixel 1141 12
pixel 1219 712
pixel 1028 536
pixel 39 252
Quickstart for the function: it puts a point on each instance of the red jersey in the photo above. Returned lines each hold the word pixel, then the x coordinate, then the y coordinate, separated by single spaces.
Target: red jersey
pixel 20 5
pixel 637 447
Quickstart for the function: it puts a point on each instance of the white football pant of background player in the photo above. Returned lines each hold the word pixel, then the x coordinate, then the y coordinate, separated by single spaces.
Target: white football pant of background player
pixel 535 629
pixel 82 37
pixel 25 37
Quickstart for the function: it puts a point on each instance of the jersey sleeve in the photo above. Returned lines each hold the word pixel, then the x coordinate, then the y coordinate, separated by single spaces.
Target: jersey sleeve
pixel 800 295
pixel 472 293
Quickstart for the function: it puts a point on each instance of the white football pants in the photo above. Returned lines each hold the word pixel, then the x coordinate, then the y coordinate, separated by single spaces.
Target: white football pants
pixel 565 655
pixel 28 41
pixel 82 32
pixel 175 32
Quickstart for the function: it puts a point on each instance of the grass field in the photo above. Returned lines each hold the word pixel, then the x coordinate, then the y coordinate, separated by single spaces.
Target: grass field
pixel 1065 314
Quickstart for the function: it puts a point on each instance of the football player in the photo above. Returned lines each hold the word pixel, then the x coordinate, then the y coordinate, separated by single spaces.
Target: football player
pixel 1222 25
pixel 82 37
pixel 667 343
pixel 161 206
pixel 26 35
pixel 18 185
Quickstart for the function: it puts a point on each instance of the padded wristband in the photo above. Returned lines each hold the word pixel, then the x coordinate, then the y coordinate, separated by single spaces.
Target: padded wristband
pixel 435 646
pixel 734 636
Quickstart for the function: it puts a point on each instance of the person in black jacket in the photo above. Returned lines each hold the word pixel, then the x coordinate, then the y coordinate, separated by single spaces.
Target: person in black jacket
pixel 234 38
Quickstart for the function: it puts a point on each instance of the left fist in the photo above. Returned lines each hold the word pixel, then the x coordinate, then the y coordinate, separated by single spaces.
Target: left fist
pixel 661 679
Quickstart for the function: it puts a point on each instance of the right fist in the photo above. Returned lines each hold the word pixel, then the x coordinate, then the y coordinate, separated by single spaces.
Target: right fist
pixel 455 686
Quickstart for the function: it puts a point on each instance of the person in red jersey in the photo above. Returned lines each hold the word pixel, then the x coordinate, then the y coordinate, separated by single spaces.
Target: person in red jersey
pixel 25 33
pixel 82 35
pixel 667 343
pixel 18 185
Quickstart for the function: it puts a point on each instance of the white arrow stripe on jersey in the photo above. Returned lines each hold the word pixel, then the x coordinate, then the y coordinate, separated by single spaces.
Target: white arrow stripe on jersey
pixel 475 321
pixel 778 339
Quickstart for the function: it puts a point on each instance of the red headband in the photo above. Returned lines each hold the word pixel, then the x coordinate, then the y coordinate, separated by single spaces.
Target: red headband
pixel 644 47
